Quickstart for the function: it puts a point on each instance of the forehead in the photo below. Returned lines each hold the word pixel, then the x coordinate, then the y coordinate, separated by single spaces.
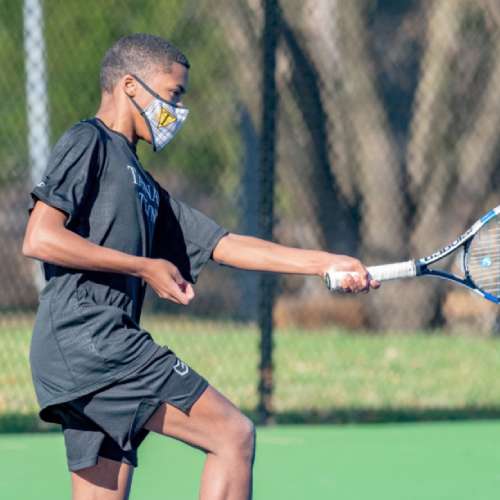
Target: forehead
pixel 176 77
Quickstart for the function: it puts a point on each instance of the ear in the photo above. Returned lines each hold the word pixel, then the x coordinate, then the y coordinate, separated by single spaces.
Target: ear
pixel 129 85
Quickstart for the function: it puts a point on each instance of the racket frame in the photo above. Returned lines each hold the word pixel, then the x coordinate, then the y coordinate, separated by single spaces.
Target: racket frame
pixel 420 267
pixel 465 240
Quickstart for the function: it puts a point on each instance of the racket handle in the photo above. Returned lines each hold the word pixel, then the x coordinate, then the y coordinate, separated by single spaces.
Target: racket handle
pixel 333 279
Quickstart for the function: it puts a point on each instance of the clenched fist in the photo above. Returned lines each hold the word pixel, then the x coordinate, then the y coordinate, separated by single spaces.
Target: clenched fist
pixel 167 281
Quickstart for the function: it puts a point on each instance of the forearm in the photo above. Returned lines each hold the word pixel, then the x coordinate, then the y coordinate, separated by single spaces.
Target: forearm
pixel 247 252
pixel 65 248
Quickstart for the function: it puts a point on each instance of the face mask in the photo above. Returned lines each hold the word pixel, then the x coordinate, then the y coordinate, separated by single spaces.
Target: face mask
pixel 164 119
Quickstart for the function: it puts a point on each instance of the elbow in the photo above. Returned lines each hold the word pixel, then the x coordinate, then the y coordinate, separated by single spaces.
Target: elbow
pixel 29 248
pixel 33 245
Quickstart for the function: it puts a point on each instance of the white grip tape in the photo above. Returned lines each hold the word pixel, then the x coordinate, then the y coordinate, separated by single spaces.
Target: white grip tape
pixel 386 272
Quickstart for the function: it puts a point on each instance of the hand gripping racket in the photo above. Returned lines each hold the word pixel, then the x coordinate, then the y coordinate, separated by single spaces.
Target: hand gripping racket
pixel 480 261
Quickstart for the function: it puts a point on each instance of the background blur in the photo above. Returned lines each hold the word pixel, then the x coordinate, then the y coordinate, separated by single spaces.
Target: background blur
pixel 364 127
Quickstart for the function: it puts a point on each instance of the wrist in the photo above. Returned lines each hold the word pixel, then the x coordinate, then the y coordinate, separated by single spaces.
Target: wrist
pixel 140 267
pixel 321 264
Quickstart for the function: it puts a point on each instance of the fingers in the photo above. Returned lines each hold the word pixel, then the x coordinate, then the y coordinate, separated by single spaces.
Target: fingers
pixel 347 284
pixel 185 290
pixel 353 283
pixel 359 282
pixel 179 295
pixel 168 283
pixel 181 291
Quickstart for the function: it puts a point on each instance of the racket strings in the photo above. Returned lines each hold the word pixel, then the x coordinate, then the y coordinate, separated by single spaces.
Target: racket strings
pixel 483 260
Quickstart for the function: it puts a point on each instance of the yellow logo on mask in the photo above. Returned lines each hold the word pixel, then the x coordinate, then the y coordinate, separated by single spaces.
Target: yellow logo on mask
pixel 165 118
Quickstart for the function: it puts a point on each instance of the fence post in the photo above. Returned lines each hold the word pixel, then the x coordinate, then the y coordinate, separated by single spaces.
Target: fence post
pixel 267 283
pixel 37 108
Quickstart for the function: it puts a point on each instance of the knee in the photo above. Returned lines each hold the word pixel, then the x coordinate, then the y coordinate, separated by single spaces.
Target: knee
pixel 240 438
pixel 248 439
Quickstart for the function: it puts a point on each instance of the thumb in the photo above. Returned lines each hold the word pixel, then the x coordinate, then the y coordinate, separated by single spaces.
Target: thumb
pixel 178 291
pixel 189 291
pixel 185 288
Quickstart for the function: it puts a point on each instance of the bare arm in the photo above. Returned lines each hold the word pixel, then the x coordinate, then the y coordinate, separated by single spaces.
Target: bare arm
pixel 246 252
pixel 47 239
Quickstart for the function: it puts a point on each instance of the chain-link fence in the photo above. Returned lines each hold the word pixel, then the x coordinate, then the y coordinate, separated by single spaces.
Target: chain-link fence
pixel 364 127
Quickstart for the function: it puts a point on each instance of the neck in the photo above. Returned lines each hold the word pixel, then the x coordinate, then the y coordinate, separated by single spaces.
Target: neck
pixel 116 118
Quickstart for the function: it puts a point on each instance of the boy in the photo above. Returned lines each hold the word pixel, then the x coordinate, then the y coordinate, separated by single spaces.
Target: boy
pixel 104 229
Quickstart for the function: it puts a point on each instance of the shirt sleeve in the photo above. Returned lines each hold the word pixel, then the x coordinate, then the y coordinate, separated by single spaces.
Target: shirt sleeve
pixel 70 172
pixel 185 236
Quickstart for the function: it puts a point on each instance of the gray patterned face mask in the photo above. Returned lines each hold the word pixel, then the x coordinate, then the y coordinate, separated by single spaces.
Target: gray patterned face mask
pixel 164 119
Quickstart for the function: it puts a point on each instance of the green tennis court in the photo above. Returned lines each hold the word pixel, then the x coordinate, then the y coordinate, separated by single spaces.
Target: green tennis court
pixel 438 461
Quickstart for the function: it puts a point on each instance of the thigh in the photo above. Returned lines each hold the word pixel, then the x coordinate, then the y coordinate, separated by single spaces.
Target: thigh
pixel 212 417
pixel 108 480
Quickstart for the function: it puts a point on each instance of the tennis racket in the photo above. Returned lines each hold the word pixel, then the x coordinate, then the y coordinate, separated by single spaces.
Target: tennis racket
pixel 480 261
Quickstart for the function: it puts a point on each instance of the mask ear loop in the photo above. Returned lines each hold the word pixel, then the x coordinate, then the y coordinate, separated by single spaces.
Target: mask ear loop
pixel 154 94
pixel 143 114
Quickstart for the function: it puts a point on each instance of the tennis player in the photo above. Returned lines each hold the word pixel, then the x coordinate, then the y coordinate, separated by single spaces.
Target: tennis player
pixel 104 229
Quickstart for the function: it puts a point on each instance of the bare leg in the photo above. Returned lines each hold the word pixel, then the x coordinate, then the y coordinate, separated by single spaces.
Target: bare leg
pixel 108 480
pixel 216 426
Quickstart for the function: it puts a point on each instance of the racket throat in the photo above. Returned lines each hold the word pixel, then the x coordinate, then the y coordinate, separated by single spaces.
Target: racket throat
pixel 421 268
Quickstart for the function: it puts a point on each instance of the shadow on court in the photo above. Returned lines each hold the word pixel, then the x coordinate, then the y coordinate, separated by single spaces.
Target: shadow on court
pixel 15 423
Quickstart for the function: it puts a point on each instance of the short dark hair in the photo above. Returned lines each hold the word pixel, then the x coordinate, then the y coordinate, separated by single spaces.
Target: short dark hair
pixel 138 53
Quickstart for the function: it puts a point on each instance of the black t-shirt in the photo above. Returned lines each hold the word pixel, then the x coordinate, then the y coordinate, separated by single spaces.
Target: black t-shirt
pixel 86 332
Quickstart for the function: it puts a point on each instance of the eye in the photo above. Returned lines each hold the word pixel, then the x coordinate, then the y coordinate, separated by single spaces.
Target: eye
pixel 176 93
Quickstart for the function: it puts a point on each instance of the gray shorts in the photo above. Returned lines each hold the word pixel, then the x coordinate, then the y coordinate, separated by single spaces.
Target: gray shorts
pixel 109 422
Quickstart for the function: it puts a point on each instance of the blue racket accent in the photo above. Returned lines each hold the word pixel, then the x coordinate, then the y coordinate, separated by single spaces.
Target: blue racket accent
pixel 486 217
pixel 488 296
